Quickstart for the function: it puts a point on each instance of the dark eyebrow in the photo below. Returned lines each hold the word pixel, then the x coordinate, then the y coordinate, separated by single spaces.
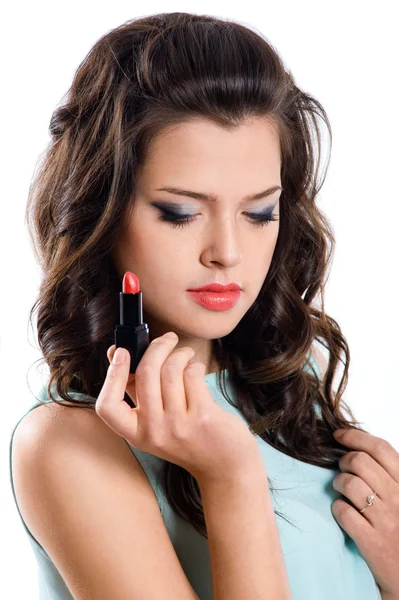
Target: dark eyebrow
pixel 211 197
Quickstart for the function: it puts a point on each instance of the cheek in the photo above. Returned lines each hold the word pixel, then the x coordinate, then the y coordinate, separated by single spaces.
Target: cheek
pixel 267 245
pixel 161 250
pixel 259 258
pixel 155 258
pixel 134 247
pixel 274 238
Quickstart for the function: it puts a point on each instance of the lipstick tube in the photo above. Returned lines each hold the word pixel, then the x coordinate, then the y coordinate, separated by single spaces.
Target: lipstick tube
pixel 131 333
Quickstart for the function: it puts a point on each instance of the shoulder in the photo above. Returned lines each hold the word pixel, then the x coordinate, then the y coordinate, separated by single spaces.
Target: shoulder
pixel 52 424
pixel 51 435
pixel 86 500
pixel 51 420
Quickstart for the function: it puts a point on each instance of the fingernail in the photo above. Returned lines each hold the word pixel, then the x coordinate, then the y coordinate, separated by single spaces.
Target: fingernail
pixel 119 356
pixel 171 335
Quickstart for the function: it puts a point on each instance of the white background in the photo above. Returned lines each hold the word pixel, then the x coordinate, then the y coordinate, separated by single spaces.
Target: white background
pixel 346 55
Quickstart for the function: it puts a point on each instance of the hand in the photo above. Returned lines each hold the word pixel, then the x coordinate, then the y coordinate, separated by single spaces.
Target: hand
pixel 175 416
pixel 373 467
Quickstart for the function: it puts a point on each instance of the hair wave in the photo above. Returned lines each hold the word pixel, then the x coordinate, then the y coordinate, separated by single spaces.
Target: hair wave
pixel 139 79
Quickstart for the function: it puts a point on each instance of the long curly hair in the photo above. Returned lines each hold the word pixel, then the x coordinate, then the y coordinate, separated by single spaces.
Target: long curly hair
pixel 137 80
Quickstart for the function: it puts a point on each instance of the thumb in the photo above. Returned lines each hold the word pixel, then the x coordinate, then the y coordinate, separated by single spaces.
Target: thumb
pixel 110 404
pixel 119 356
pixel 131 378
pixel 111 352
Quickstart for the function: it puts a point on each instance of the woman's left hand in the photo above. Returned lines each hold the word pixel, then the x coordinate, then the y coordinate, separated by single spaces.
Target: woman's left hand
pixel 372 467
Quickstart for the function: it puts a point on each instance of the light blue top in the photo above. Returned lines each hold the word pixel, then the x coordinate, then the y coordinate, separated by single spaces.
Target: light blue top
pixel 323 562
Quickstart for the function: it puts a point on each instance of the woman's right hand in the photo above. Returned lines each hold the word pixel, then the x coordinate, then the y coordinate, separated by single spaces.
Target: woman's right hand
pixel 175 416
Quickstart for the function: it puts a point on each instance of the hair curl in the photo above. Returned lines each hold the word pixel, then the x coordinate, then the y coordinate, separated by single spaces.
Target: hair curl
pixel 139 79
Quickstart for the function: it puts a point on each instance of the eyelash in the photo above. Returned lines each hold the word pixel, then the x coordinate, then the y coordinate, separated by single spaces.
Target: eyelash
pixel 179 221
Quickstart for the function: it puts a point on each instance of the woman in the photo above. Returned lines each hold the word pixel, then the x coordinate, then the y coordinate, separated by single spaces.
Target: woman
pixel 185 154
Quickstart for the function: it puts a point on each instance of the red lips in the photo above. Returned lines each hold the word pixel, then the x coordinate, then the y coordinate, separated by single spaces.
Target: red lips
pixel 218 287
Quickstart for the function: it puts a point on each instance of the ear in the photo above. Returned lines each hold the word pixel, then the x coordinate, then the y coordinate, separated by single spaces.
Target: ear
pixel 319 358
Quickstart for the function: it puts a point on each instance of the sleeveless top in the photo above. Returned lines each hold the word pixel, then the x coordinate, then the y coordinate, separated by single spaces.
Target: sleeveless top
pixel 322 561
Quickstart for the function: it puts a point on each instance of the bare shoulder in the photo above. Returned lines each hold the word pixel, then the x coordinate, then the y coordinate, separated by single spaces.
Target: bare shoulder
pixel 50 420
pixel 86 499
pixel 52 428
pixel 51 415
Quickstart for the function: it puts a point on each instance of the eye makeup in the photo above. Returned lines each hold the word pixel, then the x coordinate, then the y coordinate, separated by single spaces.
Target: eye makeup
pixel 176 218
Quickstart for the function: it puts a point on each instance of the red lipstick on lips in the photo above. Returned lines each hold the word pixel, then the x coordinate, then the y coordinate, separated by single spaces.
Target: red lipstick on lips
pixel 131 333
pixel 216 296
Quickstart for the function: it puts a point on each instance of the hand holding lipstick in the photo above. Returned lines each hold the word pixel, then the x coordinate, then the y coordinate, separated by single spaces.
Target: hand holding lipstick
pixel 176 417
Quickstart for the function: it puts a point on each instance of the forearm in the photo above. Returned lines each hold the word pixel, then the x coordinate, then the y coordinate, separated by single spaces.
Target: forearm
pixel 246 555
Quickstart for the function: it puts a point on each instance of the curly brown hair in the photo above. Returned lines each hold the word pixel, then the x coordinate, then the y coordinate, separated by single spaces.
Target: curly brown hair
pixel 138 79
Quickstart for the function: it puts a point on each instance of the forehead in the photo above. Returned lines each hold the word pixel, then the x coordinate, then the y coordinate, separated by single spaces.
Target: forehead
pixel 201 150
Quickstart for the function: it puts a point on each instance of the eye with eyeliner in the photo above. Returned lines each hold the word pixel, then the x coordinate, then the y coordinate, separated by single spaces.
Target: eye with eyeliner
pixel 177 219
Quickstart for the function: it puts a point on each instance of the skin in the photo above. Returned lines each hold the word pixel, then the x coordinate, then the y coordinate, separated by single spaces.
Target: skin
pixel 222 244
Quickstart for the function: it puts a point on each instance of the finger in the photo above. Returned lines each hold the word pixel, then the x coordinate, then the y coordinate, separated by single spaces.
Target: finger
pixel 130 385
pixel 172 384
pixel 353 522
pixel 375 476
pixel 378 448
pixel 110 405
pixel 356 490
pixel 111 352
pixel 148 377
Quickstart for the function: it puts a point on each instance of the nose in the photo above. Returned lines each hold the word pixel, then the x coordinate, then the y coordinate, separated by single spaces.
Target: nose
pixel 223 244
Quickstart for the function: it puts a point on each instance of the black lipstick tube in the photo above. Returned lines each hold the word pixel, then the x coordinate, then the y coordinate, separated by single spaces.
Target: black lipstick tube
pixel 132 333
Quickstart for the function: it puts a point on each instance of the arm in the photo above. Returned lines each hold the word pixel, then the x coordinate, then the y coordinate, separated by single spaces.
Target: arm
pixel 246 555
pixel 79 487
pixel 87 501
